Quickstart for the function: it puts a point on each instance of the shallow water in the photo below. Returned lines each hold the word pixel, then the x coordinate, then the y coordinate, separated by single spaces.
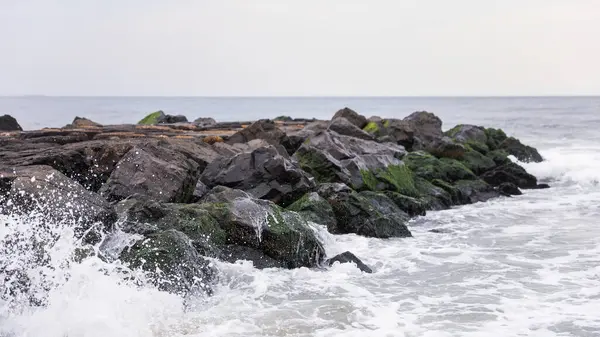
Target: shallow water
pixel 521 266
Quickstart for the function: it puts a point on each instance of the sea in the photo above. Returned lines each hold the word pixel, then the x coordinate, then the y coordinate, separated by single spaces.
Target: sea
pixel 521 266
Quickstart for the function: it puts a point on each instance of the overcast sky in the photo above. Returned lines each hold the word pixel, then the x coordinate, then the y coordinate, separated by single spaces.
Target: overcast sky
pixel 299 47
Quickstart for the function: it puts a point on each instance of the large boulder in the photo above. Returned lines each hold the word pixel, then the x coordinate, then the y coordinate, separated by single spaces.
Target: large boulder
pixel 396 130
pixel 426 126
pixel 314 208
pixel 352 116
pixel 296 138
pixel 466 133
pixel 41 191
pixel 261 225
pixel 263 172
pixel 428 167
pixel 153 171
pixel 171 263
pixel 331 158
pixel 522 152
pixel 472 191
pixel 261 129
pixel 434 197
pixel 343 126
pixel 477 162
pixel 9 123
pixel 510 173
pixel 367 215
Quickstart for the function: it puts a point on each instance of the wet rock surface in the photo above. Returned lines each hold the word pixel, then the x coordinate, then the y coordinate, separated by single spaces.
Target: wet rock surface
pixel 253 191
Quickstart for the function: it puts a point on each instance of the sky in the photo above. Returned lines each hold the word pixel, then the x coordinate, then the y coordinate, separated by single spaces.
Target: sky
pixel 299 47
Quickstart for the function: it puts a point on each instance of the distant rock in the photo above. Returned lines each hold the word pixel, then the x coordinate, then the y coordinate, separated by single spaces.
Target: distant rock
pixel 82 123
pixel 205 121
pixel 263 129
pixel 159 117
pixel 9 123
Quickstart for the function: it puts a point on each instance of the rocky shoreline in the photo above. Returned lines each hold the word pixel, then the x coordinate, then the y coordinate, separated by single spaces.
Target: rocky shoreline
pixel 255 191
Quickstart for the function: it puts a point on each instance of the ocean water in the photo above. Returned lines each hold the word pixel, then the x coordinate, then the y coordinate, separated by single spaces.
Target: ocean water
pixel 520 266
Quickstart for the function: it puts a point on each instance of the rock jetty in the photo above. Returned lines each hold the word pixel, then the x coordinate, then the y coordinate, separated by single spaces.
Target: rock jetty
pixel 259 191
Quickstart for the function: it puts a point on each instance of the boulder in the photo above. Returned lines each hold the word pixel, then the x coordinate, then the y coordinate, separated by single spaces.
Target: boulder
pixel 348 257
pixel 153 118
pixel 259 224
pixel 510 173
pixel 466 133
pixel 494 138
pixel 411 206
pixel 9 123
pixel 434 197
pixel 352 116
pixel 159 117
pixel 205 121
pixel 473 191
pixel 370 216
pixel 261 129
pixel 522 152
pixel 477 162
pixel 426 126
pixel 89 163
pixel 82 123
pixel 428 167
pixel 200 191
pixel 392 130
pixel 331 157
pixel 314 208
pixel 509 189
pixel 171 263
pixel 343 126
pixel 499 157
pixel 153 171
pixel 326 190
pixel 445 147
pixel 41 191
pixel 262 172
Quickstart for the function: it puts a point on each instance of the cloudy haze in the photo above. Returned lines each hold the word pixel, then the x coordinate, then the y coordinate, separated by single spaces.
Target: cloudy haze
pixel 308 47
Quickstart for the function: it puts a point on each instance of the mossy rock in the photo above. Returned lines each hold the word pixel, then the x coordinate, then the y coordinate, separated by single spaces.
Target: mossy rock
pixel 435 198
pixel 314 208
pixel 499 157
pixel 399 178
pixel 316 162
pixel 153 118
pixel 454 193
pixel 495 137
pixel 362 214
pixel 412 206
pixel 428 167
pixel 477 146
pixel 372 128
pixel 473 191
pixel 477 162
pixel 283 118
pixel 171 263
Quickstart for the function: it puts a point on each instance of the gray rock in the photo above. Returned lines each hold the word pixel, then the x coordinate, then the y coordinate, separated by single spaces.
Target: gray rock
pixel 261 129
pixel 473 191
pixel 467 133
pixel 522 152
pixel 510 173
pixel 342 126
pixel 155 172
pixel 354 117
pixel 314 208
pixel 205 121
pixel 263 173
pixel 9 123
pixel 427 127
pixel 43 191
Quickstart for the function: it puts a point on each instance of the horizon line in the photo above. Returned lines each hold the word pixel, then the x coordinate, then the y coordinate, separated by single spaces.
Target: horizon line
pixel 300 96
